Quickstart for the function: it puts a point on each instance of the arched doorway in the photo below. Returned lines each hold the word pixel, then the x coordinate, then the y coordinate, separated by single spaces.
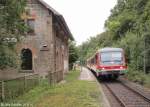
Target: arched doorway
pixel 26 58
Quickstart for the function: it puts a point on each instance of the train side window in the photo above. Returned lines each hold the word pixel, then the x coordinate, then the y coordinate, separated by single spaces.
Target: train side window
pixel 96 59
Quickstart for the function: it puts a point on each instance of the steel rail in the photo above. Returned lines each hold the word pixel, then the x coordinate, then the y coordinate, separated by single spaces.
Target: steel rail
pixel 136 92
pixel 117 98
pixel 146 99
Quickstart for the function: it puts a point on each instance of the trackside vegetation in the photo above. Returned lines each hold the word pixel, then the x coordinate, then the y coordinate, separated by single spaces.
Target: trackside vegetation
pixel 70 93
pixel 139 77
pixel 127 27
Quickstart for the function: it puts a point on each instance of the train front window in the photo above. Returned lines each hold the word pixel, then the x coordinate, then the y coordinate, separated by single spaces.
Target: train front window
pixel 111 58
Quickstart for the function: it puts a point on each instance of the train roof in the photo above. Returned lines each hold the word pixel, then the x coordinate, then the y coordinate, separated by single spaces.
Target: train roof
pixel 105 50
pixel 110 49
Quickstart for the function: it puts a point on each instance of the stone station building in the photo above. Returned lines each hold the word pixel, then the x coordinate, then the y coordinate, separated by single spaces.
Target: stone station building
pixel 44 48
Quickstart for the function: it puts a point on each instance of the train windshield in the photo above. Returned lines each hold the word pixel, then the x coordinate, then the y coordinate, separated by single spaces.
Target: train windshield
pixel 110 58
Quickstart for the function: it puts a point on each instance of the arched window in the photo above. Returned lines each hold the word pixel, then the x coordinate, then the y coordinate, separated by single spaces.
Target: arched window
pixel 26 58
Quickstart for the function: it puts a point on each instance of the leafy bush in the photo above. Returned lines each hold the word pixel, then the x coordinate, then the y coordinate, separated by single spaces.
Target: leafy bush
pixel 137 76
pixel 8 58
pixel 11 29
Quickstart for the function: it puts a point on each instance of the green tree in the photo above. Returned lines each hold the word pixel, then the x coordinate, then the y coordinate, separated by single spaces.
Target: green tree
pixel 73 53
pixel 11 29
pixel 127 27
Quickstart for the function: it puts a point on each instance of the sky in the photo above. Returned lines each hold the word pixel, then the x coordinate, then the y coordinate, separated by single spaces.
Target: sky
pixel 85 18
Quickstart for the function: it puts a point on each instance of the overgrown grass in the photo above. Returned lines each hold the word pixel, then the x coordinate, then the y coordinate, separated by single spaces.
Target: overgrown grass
pixel 72 93
pixel 139 77
pixel 16 87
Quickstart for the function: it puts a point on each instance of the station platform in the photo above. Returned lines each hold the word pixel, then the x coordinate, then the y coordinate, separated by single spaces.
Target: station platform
pixel 86 75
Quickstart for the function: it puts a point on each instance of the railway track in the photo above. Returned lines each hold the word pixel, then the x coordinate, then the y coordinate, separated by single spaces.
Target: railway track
pixel 124 95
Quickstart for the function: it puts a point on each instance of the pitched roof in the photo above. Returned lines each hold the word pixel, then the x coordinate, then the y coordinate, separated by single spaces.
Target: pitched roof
pixel 59 17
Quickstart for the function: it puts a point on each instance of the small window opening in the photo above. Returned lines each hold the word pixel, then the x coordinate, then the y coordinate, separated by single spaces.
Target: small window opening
pixel 31 25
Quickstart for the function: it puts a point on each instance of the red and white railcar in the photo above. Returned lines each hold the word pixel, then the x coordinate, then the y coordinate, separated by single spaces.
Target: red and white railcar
pixel 110 62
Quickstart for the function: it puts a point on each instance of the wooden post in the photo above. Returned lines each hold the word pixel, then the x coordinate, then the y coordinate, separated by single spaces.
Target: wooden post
pixel 144 55
pixel 51 78
pixel 39 80
pixel 55 77
pixel 25 83
pixel 3 90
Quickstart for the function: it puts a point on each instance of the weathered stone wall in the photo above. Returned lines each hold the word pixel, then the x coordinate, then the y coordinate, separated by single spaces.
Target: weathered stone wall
pixel 66 57
pixel 61 50
pixel 42 37
pixel 48 43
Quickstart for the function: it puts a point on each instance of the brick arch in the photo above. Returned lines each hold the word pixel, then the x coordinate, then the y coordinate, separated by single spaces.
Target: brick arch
pixel 20 47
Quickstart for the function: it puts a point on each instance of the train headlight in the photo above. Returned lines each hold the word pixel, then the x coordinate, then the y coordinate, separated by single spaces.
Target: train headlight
pixel 121 67
pixel 103 68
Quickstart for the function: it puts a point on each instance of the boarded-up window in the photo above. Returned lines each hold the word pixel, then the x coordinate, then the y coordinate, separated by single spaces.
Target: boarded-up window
pixel 31 25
